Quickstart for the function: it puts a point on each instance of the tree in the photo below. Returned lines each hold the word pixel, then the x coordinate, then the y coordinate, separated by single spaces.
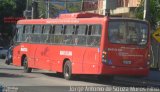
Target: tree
pixel 7 8
pixel 154 12
pixel 13 9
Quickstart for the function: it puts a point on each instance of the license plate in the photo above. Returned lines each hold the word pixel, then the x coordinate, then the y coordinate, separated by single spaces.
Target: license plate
pixel 127 62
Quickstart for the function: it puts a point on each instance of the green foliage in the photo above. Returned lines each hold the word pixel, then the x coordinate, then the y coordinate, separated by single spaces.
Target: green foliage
pixel 74 7
pixel 10 8
pixel 42 9
pixel 6 7
pixel 154 12
pixel 139 10
pixel 20 7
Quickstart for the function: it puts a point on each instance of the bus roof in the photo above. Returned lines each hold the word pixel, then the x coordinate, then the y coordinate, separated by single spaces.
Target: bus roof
pixel 80 15
pixel 72 18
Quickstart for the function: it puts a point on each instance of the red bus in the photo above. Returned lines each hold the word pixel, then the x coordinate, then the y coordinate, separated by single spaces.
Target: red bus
pixel 83 43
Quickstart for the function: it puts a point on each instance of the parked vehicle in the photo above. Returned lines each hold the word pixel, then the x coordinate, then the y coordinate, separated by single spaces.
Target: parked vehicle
pixel 9 56
pixel 3 52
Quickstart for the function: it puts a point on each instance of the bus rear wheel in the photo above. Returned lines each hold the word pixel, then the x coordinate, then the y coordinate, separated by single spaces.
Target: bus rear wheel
pixel 67 70
pixel 25 65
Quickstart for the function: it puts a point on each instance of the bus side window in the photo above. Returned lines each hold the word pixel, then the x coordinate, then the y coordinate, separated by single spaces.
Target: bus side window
pixel 27 33
pixel 19 33
pixel 51 35
pixel 58 34
pixel 58 29
pixel 81 31
pixel 94 35
pixel 69 30
pixel 37 31
pixel 46 31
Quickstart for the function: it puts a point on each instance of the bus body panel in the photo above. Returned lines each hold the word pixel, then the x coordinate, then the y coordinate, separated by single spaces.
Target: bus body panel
pixel 42 60
pixel 91 61
pixel 61 54
pixel 19 51
pixel 16 55
pixel 56 58
pixel 125 59
pixel 78 58
pixel 136 57
pixel 129 71
pixel 84 59
pixel 31 55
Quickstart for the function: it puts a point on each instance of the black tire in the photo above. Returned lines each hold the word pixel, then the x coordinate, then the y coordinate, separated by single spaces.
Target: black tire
pixel 67 70
pixel 105 78
pixel 25 65
pixel 7 62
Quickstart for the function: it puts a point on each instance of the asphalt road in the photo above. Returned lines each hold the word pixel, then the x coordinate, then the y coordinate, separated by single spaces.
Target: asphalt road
pixel 13 78
pixel 39 81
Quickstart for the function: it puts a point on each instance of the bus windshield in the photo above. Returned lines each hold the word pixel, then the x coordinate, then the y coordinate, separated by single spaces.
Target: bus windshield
pixel 128 32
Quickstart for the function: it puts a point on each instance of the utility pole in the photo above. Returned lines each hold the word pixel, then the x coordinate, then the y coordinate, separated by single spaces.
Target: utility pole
pixel 82 5
pixel 146 10
pixel 27 5
pixel 48 9
pixel 32 9
pixel 65 4
pixel 27 9
pixel 27 12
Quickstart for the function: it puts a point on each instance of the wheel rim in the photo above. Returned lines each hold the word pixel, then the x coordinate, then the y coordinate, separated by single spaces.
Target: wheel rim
pixel 66 72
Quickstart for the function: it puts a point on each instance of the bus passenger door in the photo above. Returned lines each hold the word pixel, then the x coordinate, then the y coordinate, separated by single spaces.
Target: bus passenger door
pixel 38 57
pixel 78 55
pixel 42 60
pixel 32 52
pixel 91 55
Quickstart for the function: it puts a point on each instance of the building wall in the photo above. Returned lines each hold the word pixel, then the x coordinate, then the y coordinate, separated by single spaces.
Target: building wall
pixel 134 3
pixel 90 5
pixel 111 4
pixel 100 7
pixel 128 3
pixel 117 6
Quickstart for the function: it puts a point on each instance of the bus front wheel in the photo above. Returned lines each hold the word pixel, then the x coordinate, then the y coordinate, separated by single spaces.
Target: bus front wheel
pixel 25 65
pixel 67 70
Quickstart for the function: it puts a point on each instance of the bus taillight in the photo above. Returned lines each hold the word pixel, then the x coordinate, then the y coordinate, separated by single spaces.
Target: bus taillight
pixel 104 57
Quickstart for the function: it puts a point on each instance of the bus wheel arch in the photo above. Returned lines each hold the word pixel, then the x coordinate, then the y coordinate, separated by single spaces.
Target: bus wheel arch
pixel 26 68
pixel 64 61
pixel 22 59
pixel 67 69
